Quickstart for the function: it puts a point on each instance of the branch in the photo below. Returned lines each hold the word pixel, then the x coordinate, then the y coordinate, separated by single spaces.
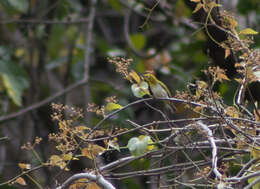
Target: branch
pixel 88 46
pixel 39 21
pixel 99 179
pixel 43 102
pixel 214 148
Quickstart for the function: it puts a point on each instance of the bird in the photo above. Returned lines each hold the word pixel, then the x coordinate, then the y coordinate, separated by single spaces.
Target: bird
pixel 159 90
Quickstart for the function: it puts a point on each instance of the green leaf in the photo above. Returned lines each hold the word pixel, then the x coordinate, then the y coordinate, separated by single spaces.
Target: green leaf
pixel 141 89
pixel 256 186
pixel 115 5
pixel 14 80
pixel 138 41
pixel 138 146
pixel 248 31
pixel 20 5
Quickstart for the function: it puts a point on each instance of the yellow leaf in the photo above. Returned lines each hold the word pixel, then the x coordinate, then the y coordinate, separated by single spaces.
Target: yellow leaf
pixel 232 112
pixel 135 76
pixel 255 151
pixel 222 76
pixel 150 146
pixel 19 52
pixel 213 4
pixel 198 109
pixel 248 31
pixel 92 185
pixel 82 128
pixel 20 181
pixel 231 21
pixel 202 84
pixel 92 151
pixel 67 157
pixel 84 183
pixel 197 8
pixel 96 149
pixel 112 106
pixel 56 160
pixel 86 152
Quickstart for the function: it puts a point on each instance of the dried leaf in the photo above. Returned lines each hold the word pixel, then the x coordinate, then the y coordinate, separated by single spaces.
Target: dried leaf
pixel 92 151
pixel 20 181
pixel 221 74
pixel 24 166
pixel 84 183
pixel 232 112
pixel 257 118
pixel 227 53
pixel 86 152
pixel 56 160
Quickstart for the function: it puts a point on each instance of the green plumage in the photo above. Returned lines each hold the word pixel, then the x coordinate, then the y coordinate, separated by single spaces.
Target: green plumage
pixel 159 90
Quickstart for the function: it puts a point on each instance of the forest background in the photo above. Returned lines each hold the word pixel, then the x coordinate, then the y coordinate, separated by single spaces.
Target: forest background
pixel 61 51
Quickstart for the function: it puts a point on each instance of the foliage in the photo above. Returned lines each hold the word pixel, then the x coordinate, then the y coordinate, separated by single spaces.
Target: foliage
pixel 121 132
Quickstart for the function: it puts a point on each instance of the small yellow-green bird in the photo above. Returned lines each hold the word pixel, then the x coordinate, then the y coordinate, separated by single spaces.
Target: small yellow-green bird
pixel 159 90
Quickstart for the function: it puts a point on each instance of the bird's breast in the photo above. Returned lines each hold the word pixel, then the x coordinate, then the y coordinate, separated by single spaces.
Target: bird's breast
pixel 158 91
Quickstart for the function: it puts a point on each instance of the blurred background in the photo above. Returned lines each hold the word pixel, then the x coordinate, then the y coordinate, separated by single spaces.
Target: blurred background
pixel 56 51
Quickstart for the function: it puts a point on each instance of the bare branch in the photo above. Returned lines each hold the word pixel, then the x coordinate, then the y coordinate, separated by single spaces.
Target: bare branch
pixel 99 179
pixel 214 148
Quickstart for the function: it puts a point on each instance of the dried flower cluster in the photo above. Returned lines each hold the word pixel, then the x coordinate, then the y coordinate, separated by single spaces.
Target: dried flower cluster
pixel 122 65
pixel 30 146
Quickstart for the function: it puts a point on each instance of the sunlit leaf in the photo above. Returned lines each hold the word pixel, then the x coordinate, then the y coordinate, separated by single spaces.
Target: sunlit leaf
pixel 114 144
pixel 255 151
pixel 138 146
pixel 112 106
pixel 14 80
pixel 213 4
pixel 84 183
pixel 140 90
pixel 92 151
pixel 197 8
pixel 232 112
pixel 248 31
pixel 56 160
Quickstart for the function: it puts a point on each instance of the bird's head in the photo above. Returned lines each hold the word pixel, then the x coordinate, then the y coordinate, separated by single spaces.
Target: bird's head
pixel 150 78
